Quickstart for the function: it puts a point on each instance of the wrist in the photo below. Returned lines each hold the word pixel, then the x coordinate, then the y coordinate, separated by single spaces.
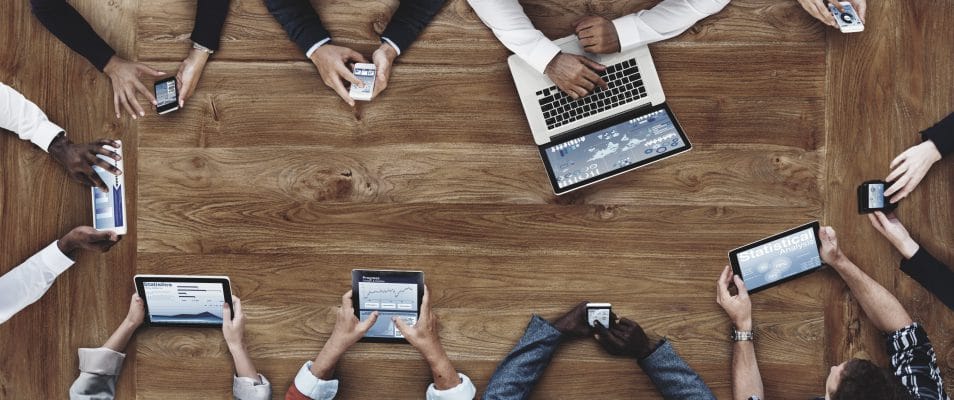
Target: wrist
pixel 434 354
pixel 389 51
pixel 58 145
pixel 908 248
pixel 935 154
pixel 199 55
pixel 131 325
pixel 236 347
pixel 111 65
pixel 552 62
pixel 66 245
pixel 743 325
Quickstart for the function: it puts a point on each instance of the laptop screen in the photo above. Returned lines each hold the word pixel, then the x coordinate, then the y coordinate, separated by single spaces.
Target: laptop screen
pixel 611 147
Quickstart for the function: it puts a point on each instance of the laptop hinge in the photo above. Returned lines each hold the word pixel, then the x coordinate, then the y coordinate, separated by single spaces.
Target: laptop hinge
pixel 577 131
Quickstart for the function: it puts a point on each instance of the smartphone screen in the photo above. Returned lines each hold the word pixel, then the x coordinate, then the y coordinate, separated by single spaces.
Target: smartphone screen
pixel 167 95
pixel 876 196
pixel 365 73
pixel 599 312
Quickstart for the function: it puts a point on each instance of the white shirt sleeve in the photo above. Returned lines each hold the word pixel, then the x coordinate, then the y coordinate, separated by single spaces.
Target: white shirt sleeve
pixel 313 387
pixel 26 283
pixel 244 388
pixel 664 21
pixel 311 50
pixel 21 116
pixel 99 369
pixel 514 29
pixel 464 391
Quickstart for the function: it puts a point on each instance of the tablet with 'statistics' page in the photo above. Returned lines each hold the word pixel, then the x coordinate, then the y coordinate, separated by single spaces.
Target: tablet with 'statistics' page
pixel 182 300
pixel 779 258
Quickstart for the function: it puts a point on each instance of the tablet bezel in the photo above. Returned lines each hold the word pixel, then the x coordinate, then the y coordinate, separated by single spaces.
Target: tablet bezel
pixel 737 270
pixel 356 275
pixel 139 279
pixel 615 120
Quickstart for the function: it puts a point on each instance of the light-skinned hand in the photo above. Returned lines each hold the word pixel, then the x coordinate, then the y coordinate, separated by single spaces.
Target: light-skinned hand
pixel 892 229
pixel 233 323
pixel 575 75
pixel 348 331
pixel 78 159
pixel 830 252
pixel 819 10
pixel 85 237
pixel 333 63
pixel 137 311
pixel 424 335
pixel 597 34
pixel 383 59
pixel 125 77
pixel 739 306
pixel 190 70
pixel 909 168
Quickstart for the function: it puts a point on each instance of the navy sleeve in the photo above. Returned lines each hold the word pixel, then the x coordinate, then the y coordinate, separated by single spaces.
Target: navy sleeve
pixel 519 372
pixel 932 274
pixel 62 20
pixel 300 21
pixel 942 134
pixel 209 20
pixel 411 17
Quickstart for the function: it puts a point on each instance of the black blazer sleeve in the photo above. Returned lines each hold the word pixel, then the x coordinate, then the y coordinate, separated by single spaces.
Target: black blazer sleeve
pixel 411 17
pixel 942 134
pixel 209 20
pixel 932 274
pixel 62 20
pixel 300 20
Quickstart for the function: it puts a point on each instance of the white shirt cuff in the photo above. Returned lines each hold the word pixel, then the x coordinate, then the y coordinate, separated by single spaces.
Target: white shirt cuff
pixel 44 134
pixel 101 361
pixel 542 54
pixel 316 46
pixel 245 388
pixel 313 387
pixel 392 44
pixel 627 31
pixel 52 257
pixel 464 391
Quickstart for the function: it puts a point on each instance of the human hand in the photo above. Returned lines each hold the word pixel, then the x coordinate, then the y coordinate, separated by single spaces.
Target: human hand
pixel 624 338
pixel 78 159
pixel 597 34
pixel 137 312
pixel 830 252
pixel 424 334
pixel 819 10
pixel 348 330
pixel 189 73
pixel 383 58
pixel 125 77
pixel 738 307
pixel 908 168
pixel 573 324
pixel 233 324
pixel 575 75
pixel 331 62
pixel 894 231
pixel 85 237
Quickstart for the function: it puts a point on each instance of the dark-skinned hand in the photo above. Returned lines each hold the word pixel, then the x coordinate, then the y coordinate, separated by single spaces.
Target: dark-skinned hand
pixel 78 159
pixel 624 338
pixel 573 324
pixel 87 238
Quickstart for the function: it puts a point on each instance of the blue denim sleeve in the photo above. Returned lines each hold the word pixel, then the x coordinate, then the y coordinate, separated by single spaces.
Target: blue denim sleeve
pixel 519 372
pixel 673 377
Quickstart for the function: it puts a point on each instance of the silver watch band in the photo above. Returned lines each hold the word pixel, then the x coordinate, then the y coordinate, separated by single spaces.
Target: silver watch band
pixel 202 48
pixel 742 336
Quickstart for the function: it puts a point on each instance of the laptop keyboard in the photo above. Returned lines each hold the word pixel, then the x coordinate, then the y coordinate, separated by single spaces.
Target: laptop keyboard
pixel 625 86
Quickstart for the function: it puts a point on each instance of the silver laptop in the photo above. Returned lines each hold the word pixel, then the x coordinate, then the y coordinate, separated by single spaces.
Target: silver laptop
pixel 606 133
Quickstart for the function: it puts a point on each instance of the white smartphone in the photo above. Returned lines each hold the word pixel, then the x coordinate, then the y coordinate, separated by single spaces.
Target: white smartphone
pixel 848 21
pixel 598 312
pixel 366 73
pixel 109 208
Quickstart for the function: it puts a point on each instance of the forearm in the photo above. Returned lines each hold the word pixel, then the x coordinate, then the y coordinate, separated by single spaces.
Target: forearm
pixel 443 371
pixel 515 30
pixel 411 17
pixel 324 364
pixel 932 274
pixel 664 21
pixel 209 21
pixel 23 117
pixel 882 308
pixel 299 20
pixel 120 338
pixel 244 368
pixel 519 372
pixel 746 378
pixel 71 28
pixel 942 134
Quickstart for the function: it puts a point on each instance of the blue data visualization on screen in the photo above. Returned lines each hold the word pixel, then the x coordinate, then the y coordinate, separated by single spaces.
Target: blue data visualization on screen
pixel 185 302
pixel 613 148
pixel 779 259
pixel 390 297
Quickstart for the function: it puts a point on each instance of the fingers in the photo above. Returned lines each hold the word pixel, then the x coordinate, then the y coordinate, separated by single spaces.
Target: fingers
pixel 101 236
pixel 93 179
pixel 876 222
pixel 346 300
pixel 900 187
pixel 722 285
pixel 125 104
pixel 592 64
pixel 897 172
pixel 595 80
pixel 343 72
pixel 143 68
pixel 116 104
pixel 355 57
pixel 99 162
pixel 426 302
pixel 145 92
pixel 365 325
pixel 226 315
pixel 740 285
pixel 837 5
pixel 340 89
pixel 237 303
pixel 402 326
pixel 861 7
pixel 99 149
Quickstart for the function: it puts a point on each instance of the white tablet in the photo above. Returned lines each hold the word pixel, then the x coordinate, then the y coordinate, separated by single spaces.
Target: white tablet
pixel 109 208
pixel 184 300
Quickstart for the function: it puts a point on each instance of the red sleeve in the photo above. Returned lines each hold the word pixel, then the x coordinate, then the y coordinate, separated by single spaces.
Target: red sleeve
pixel 294 394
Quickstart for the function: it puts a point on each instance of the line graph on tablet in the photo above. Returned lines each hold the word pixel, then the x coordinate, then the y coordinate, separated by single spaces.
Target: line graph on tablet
pixel 388 296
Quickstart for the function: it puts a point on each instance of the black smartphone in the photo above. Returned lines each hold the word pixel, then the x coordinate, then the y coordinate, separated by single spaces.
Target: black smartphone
pixel 167 95
pixel 871 197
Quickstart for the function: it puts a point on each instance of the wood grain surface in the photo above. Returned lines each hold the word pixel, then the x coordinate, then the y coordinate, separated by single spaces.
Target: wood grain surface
pixel 267 177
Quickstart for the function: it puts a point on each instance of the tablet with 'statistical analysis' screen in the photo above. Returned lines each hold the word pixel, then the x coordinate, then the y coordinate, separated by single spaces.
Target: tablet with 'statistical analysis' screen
pixel 777 259
pixel 184 300
pixel 618 145
pixel 391 294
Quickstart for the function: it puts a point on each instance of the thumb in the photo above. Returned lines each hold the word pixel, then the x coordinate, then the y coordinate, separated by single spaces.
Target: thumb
pixel 401 325
pixel 355 56
pixel 226 314
pixel 149 70
pixel 368 323
pixel 99 236
pixel 740 284
pixel 592 64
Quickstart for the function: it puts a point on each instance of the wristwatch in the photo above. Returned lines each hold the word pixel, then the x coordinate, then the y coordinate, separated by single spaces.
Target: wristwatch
pixel 202 48
pixel 742 336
